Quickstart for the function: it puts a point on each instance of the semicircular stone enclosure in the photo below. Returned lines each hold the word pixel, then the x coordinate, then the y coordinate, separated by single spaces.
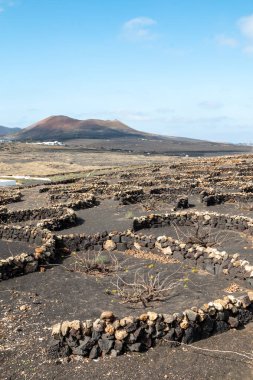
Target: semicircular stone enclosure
pixel 123 259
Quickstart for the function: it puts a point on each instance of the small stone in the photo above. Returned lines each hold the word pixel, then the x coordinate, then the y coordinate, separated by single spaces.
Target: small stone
pixel 178 317
pixel 121 334
pixel 144 317
pixel 233 322
pixel 119 346
pixel 237 264
pixel 168 318
pixel 152 315
pixel 167 251
pixel 75 325
pixel 212 310
pixel 162 239
pixel 127 320
pixel 25 308
pixel 65 328
pixel 38 252
pixel 232 299
pixel 202 315
pixel 137 245
pixel 109 245
pixel 191 315
pixel 31 267
pixel 116 324
pixel 250 295
pixel 98 325
pixel 56 331
pixel 184 324
pixel 95 352
pixel 245 301
pixel 88 324
pixel 136 347
pixel 110 329
pixel 105 345
pixel 218 305
pixel 114 353
pixel 84 347
pixel 236 256
pixel 107 315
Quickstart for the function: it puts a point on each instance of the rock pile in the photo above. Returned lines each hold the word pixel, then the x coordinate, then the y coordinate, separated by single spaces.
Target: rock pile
pixel 130 196
pixel 109 335
pixel 26 263
pixel 10 196
pixel 189 218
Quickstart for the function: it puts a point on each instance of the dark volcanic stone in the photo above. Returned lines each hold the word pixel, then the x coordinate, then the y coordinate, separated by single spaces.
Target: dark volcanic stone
pixel 71 342
pixel 138 334
pixel 178 333
pixel 85 346
pixel 106 345
pixel 57 349
pixel 136 347
pixel 121 246
pixel 119 346
pixel 220 327
pixel 131 327
pixel 96 334
pixel 207 327
pixel 192 334
pixel 95 352
pixel 244 316
pixel 233 322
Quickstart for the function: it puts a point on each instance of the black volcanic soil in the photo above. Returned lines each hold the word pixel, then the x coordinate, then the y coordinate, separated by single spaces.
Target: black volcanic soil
pixel 150 146
pixel 31 304
pixel 58 294
pixel 13 248
pixel 108 216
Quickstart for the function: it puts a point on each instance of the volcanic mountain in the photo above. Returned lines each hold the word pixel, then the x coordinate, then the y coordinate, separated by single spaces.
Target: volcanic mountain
pixel 7 131
pixel 65 128
pixel 111 135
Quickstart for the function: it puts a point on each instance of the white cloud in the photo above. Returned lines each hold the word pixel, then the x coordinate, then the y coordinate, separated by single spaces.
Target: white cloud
pixel 246 26
pixel 139 29
pixel 211 104
pixel 248 49
pixel 227 41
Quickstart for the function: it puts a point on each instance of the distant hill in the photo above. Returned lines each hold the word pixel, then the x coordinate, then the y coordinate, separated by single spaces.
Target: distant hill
pixel 7 131
pixel 113 135
pixel 65 128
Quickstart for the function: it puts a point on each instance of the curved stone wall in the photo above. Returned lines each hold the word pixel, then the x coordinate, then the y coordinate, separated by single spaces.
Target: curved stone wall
pixel 7 197
pixel 26 263
pixel 109 335
pixel 190 218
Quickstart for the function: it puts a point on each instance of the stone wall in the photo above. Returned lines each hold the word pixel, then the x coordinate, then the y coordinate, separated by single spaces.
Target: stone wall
pixel 211 199
pixel 53 218
pixel 212 219
pixel 10 196
pixel 68 219
pixel 18 216
pixel 207 258
pixel 109 335
pixel 76 201
pixel 130 196
pixel 26 263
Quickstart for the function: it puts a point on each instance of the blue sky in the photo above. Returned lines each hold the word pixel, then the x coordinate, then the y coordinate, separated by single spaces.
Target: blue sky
pixel 175 67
